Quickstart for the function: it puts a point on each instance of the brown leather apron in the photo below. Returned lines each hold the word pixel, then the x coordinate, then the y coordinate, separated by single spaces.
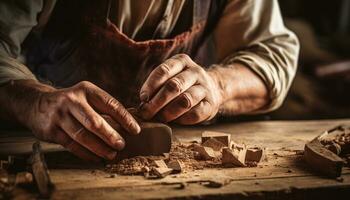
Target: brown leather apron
pixel 104 55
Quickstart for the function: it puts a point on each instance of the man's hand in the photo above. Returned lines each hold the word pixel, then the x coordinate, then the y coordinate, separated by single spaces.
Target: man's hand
pixel 179 90
pixel 72 117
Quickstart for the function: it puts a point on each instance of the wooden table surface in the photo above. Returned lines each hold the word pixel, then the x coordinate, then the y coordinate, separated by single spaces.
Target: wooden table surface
pixel 283 176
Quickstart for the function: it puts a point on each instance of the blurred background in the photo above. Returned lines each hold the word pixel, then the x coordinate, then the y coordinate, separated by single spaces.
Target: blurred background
pixel 322 85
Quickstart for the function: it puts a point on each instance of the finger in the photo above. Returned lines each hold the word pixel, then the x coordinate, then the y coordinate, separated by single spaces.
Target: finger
pixel 105 103
pixel 111 122
pixel 74 147
pixel 199 113
pixel 172 88
pixel 93 122
pixel 161 74
pixel 87 139
pixel 183 103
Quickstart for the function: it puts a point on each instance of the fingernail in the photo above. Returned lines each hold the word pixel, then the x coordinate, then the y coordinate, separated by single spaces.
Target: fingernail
pixel 144 97
pixel 136 128
pixel 112 155
pixel 119 144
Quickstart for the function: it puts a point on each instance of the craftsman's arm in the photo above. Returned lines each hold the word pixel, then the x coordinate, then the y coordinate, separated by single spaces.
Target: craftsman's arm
pixel 256 58
pixel 256 38
pixel 72 116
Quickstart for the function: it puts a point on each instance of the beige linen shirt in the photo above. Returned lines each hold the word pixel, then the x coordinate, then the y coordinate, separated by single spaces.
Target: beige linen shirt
pixel 249 32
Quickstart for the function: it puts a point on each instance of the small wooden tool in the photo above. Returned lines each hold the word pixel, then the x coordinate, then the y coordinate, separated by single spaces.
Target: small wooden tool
pixel 41 172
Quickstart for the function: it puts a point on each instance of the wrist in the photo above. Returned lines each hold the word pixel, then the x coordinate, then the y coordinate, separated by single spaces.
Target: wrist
pixel 20 99
pixel 217 78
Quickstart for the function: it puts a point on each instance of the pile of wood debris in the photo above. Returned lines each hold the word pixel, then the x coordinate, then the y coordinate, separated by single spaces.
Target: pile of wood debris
pixel 339 142
pixel 216 150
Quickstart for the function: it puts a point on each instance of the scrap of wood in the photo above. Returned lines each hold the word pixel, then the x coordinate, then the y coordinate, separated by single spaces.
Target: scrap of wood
pixel 159 163
pixel 161 172
pixel 233 157
pixel 224 138
pixel 176 165
pixel 255 154
pixel 214 144
pixel 154 139
pixel 234 145
pixel 322 159
pixel 205 153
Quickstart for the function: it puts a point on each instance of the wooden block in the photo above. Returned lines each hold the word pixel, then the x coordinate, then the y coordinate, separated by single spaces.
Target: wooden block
pixel 159 163
pixel 161 172
pixel 233 158
pixel 322 160
pixel 205 153
pixel 176 165
pixel 224 138
pixel 255 154
pixel 234 145
pixel 213 143
pixel 154 139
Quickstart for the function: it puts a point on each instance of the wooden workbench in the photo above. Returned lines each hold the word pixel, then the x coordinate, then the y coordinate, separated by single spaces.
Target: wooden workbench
pixel 283 176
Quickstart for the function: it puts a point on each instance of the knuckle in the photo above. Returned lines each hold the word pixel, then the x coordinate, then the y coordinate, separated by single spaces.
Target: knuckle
pixel 186 100
pixel 84 84
pixel 163 70
pixel 94 123
pixel 174 85
pixel 112 102
pixel 66 97
pixel 183 56
pixel 198 70
pixel 78 135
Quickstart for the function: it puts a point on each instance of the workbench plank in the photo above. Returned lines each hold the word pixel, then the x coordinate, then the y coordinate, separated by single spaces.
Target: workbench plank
pixel 294 187
pixel 284 174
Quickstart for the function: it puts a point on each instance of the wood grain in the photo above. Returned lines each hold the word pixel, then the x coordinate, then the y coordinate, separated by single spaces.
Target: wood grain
pixel 285 175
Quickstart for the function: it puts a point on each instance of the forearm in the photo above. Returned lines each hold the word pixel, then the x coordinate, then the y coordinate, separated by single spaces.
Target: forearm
pixel 242 90
pixel 19 96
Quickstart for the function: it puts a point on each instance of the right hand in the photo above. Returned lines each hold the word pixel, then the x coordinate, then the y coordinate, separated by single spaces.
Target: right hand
pixel 72 117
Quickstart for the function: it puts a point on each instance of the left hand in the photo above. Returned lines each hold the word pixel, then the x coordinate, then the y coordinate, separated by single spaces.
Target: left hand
pixel 180 90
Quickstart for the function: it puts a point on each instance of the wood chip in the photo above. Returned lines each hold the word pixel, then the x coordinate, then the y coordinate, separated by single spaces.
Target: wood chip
pixel 205 153
pixel 176 165
pixel 214 144
pixel 161 172
pixel 255 154
pixel 224 138
pixel 159 163
pixel 234 145
pixel 233 157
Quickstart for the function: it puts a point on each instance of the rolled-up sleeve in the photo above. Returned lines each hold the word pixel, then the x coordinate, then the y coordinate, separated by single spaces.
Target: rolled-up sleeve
pixel 252 32
pixel 17 18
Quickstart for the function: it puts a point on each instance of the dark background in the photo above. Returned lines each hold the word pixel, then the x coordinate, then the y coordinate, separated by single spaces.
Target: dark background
pixel 323 28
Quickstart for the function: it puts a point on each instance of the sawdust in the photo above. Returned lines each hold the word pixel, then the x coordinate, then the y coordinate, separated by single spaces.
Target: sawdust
pixel 142 165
